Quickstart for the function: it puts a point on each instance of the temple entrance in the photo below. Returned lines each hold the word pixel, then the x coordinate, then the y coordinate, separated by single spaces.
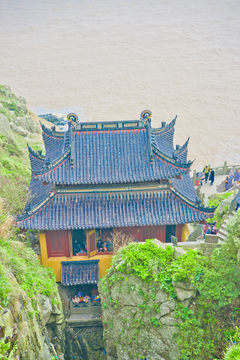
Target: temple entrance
pixel 170 230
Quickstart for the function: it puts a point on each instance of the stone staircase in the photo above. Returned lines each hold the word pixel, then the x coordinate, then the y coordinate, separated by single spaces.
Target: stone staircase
pixel 222 232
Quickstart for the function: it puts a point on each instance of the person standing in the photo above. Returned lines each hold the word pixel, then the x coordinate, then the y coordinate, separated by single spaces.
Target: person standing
pixel 206 170
pixel 238 202
pixel 211 177
pixel 237 176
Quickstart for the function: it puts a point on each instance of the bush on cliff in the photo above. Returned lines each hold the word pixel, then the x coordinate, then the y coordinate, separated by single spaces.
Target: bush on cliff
pixel 203 328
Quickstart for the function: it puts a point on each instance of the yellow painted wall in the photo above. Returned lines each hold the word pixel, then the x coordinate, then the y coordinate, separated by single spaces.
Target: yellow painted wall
pixel 185 232
pixel 55 262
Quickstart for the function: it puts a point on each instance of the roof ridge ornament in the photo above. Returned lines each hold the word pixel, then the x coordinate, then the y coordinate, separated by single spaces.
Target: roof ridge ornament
pixel 72 119
pixel 146 116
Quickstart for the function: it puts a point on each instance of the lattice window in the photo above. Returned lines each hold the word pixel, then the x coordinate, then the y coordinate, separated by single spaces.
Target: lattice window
pixel 153 234
pixel 144 234
pixel 53 243
pixel 59 242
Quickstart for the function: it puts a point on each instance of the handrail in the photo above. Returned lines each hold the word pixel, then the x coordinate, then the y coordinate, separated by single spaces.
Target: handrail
pixel 196 233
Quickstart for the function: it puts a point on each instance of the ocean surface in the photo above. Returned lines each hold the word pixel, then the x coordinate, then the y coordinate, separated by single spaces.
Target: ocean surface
pixel 109 60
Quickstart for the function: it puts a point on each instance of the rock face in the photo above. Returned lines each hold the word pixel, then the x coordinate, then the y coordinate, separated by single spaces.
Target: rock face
pixel 139 303
pixel 144 306
pixel 15 110
pixel 34 334
pixel 26 123
pixel 4 125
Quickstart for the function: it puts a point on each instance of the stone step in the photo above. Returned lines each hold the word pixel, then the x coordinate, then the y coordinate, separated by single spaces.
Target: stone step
pixel 223 231
pixel 221 237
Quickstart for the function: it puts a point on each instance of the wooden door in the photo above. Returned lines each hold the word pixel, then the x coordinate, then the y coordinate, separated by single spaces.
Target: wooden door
pixel 91 243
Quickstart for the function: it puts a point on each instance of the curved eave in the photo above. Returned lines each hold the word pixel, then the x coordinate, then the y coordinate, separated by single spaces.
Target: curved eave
pixel 171 161
pixel 193 204
pixel 182 148
pixel 53 164
pixel 50 132
pixel 207 211
pixel 35 154
pixel 166 128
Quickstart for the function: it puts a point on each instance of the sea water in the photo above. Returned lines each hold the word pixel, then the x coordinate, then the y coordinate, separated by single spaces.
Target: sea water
pixel 109 60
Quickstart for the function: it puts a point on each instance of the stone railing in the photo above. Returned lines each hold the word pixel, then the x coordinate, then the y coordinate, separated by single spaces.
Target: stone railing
pixel 196 233
pixel 219 170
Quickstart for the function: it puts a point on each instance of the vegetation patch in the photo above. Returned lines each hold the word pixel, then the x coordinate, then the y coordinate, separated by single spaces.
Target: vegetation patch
pixel 219 216
pixel 205 327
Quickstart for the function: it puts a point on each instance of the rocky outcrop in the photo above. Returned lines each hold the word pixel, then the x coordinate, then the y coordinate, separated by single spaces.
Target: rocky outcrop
pixel 15 113
pixel 4 125
pixel 140 304
pixel 151 306
pixel 31 329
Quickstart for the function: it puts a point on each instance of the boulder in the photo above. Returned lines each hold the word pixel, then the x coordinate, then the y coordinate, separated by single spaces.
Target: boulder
pixel 178 252
pixel 22 100
pixel 22 107
pixel 184 290
pixel 1 106
pixel 19 130
pixel 4 124
pixel 7 90
pixel 46 308
pixel 26 123
pixel 225 202
pixel 161 244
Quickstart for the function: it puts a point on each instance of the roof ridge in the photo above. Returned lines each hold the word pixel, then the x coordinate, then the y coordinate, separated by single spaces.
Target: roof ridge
pixel 172 161
pixel 50 166
pixel 165 127
pixel 182 148
pixel 37 154
pixel 52 131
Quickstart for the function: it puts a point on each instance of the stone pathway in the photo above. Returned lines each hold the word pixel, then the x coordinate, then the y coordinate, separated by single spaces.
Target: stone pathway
pixel 209 190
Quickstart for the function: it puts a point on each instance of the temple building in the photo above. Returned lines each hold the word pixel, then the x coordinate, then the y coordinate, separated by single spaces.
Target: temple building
pixel 102 177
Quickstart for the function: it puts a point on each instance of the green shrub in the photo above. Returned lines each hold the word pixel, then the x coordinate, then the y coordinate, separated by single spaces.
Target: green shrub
pixel 233 353
pixel 4 286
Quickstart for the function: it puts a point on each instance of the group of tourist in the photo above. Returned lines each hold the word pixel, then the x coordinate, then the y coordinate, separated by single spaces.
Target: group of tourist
pixel 210 229
pixel 233 177
pixel 79 247
pixel 209 174
pixel 80 297
pixel 102 246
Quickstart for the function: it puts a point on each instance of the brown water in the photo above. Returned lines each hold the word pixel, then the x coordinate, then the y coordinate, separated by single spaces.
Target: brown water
pixel 109 60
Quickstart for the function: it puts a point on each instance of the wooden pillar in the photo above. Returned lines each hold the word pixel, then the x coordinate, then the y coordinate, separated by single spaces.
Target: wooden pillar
pixel 70 243
pixel 43 247
pixel 179 232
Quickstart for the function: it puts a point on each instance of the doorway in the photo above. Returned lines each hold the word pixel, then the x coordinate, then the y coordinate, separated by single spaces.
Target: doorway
pixel 170 230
